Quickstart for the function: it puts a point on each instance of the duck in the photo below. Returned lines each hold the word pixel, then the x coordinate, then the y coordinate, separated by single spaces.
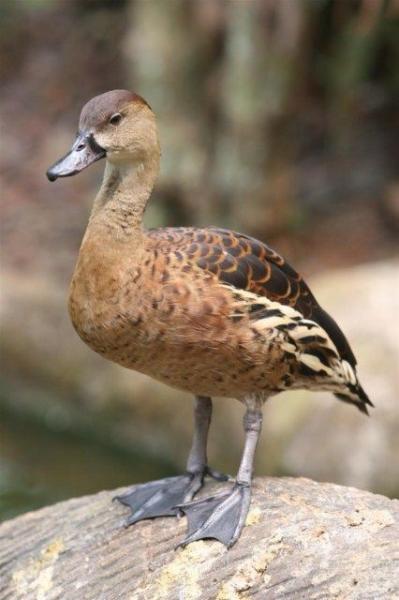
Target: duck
pixel 205 310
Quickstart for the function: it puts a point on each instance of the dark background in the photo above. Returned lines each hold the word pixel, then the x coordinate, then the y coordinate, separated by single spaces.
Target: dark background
pixel 278 118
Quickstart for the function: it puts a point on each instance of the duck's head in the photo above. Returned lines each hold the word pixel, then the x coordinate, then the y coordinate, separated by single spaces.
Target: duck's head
pixel 118 125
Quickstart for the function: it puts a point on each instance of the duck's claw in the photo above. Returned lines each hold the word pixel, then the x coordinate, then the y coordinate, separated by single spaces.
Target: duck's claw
pixel 217 475
pixel 221 516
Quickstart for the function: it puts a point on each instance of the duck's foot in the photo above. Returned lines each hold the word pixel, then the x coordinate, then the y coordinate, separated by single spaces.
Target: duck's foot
pixel 221 516
pixel 160 498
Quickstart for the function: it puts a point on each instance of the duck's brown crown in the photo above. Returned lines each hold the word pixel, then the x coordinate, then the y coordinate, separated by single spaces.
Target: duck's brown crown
pixel 97 112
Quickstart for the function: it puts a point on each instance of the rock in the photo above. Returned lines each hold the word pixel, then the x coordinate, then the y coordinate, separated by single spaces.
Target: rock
pixel 302 540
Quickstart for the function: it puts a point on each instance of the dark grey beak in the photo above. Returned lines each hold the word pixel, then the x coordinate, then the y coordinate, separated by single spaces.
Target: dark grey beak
pixel 83 153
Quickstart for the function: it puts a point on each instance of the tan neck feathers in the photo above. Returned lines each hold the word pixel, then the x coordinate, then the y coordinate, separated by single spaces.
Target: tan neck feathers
pixel 123 196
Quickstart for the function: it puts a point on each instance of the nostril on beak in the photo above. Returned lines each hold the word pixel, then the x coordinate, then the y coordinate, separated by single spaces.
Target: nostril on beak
pixel 80 147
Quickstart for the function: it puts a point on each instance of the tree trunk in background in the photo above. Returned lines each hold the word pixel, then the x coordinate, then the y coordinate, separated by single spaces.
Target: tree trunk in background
pixel 170 50
pixel 258 73
pixel 219 74
pixel 261 103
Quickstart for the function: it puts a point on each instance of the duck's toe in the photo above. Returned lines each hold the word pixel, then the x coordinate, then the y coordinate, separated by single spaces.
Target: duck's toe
pixel 156 498
pixel 220 517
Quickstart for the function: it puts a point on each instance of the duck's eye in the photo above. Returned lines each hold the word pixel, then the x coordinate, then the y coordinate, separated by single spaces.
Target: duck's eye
pixel 115 119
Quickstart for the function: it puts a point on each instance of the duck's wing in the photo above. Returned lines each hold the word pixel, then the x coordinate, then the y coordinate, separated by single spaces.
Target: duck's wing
pixel 248 264
pixel 245 263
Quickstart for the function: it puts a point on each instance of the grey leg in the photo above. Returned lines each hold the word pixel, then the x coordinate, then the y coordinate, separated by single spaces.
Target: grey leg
pixel 160 498
pixel 252 427
pixel 197 463
pixel 197 460
pixel 222 516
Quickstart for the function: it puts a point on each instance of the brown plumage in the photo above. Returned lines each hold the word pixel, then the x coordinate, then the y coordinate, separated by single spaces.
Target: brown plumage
pixel 208 310
pixel 247 264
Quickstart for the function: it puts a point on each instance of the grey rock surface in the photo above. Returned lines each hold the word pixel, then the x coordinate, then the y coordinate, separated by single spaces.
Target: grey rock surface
pixel 303 540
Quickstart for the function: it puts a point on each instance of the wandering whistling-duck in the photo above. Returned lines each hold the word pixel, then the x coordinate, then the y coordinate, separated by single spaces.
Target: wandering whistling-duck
pixel 209 311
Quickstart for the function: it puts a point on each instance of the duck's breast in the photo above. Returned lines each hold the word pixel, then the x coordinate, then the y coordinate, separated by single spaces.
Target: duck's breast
pixel 106 299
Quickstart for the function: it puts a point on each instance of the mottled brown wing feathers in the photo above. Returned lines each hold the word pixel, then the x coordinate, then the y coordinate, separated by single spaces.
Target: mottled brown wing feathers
pixel 246 263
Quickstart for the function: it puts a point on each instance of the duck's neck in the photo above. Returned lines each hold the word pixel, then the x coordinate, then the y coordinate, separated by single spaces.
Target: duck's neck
pixel 120 204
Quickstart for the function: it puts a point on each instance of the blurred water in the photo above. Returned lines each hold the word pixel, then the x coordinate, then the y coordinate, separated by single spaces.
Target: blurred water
pixel 40 465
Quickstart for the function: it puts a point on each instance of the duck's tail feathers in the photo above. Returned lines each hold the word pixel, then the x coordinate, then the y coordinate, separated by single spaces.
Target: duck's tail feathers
pixel 357 396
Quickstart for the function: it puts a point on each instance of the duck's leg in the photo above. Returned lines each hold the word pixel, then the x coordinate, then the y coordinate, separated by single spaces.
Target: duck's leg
pixel 223 515
pixel 197 462
pixel 160 498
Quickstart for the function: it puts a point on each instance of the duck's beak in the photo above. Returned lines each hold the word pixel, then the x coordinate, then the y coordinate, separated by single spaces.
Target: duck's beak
pixel 83 153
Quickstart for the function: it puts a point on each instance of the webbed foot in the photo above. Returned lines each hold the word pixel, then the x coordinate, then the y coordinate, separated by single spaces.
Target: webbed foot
pixel 221 516
pixel 160 498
